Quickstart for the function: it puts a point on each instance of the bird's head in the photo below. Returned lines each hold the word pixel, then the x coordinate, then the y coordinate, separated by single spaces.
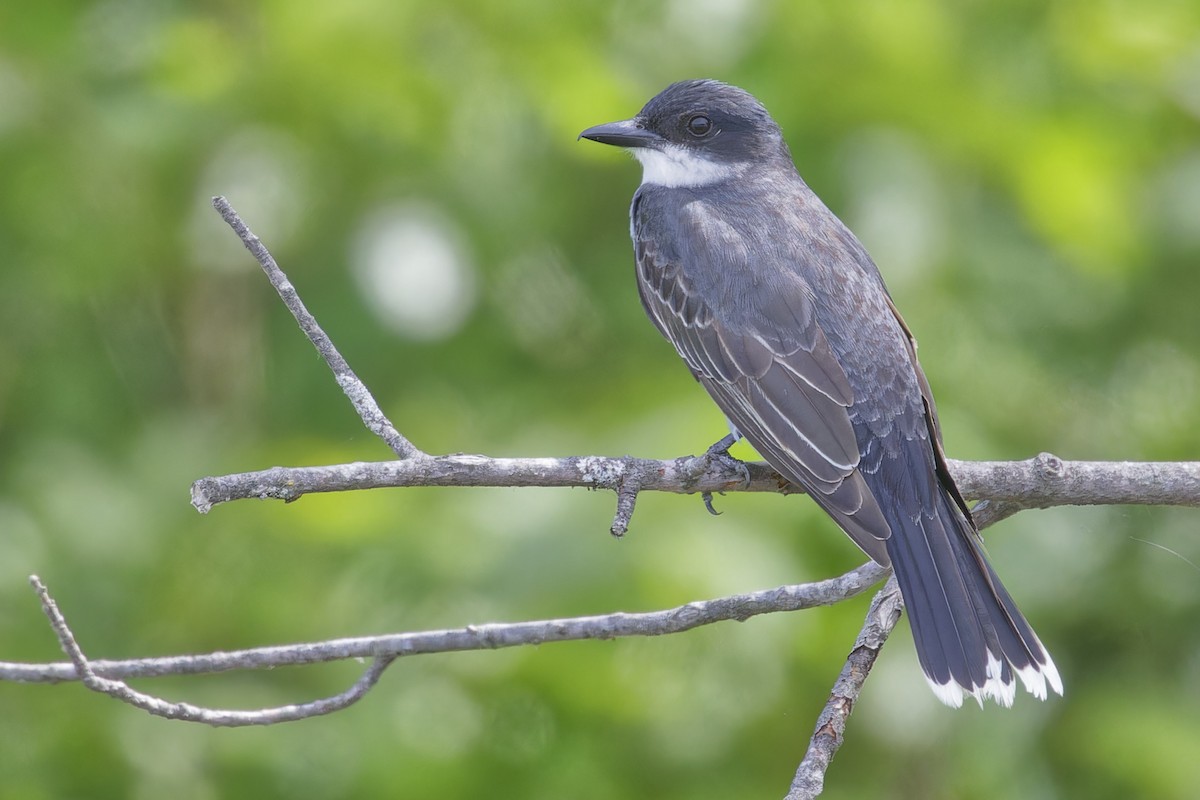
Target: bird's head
pixel 695 133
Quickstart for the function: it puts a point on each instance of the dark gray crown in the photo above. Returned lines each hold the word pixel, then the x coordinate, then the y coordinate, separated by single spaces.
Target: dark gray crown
pixel 741 129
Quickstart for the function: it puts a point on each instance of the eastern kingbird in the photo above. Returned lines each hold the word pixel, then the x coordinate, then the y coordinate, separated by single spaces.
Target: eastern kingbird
pixel 782 316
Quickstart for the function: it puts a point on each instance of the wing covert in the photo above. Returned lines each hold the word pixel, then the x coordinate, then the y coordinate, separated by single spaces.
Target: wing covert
pixel 772 372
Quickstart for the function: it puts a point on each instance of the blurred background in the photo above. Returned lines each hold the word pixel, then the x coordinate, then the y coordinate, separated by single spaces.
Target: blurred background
pixel 1027 176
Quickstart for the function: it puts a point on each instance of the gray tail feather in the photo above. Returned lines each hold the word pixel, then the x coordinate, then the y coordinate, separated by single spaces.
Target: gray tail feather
pixel 970 637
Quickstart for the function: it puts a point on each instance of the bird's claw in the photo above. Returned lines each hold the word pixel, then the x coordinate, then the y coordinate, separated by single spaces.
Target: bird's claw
pixel 719 452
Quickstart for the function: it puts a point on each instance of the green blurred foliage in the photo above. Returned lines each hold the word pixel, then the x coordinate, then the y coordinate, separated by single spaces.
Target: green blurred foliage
pixel 1026 174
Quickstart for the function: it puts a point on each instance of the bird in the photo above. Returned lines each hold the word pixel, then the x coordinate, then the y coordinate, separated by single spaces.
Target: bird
pixel 783 317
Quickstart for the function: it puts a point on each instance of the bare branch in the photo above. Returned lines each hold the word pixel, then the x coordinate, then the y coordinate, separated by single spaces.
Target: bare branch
pixel 473 637
pixel 830 732
pixel 1039 482
pixel 592 472
pixel 368 410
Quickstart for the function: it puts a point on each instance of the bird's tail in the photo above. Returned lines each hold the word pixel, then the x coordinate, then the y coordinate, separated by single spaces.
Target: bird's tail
pixel 971 639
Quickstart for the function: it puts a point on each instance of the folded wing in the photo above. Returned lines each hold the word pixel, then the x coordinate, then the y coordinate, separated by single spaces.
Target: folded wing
pixel 774 375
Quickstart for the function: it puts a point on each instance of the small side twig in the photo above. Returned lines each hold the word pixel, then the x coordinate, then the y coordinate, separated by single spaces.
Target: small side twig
pixel 187 712
pixel 626 499
pixel 627 477
pixel 368 410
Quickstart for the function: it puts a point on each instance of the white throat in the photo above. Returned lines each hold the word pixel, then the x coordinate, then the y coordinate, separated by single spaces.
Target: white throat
pixel 679 168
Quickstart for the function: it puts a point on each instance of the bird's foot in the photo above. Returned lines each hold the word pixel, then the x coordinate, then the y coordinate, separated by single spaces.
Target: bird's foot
pixel 719 453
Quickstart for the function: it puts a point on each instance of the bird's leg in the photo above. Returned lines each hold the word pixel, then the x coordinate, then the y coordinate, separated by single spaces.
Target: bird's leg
pixel 721 446
pixel 719 451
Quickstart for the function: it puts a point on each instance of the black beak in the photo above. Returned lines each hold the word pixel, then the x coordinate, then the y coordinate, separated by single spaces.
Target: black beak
pixel 627 133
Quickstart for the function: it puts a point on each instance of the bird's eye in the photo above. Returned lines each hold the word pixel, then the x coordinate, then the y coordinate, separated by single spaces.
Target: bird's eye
pixel 699 125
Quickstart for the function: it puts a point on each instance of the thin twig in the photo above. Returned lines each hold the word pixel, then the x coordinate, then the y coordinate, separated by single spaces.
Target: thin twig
pixel 830 731
pixel 187 712
pixel 368 410
pixel 473 637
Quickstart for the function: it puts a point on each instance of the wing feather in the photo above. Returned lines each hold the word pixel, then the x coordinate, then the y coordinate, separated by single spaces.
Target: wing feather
pixel 776 378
